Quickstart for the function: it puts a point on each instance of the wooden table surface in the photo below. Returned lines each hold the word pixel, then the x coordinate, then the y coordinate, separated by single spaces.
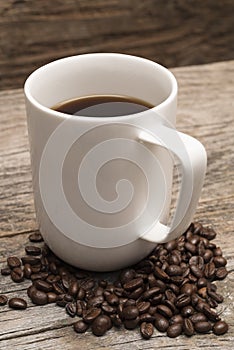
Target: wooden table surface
pixel 205 111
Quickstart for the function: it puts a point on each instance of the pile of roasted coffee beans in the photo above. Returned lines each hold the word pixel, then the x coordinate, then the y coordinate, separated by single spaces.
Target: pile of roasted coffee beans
pixel 172 290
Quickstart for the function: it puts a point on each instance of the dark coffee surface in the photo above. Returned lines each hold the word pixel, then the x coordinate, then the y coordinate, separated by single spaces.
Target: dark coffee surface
pixel 102 106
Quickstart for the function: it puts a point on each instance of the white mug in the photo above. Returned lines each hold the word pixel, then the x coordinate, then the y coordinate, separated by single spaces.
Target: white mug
pixel 102 185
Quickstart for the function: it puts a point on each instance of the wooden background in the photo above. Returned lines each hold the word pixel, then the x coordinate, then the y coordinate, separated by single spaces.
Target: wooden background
pixel 171 32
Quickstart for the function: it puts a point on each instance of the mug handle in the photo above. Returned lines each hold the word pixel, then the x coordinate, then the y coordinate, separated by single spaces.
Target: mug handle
pixel 192 157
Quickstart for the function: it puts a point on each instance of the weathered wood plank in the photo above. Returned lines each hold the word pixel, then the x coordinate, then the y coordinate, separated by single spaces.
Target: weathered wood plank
pixel 174 33
pixel 206 112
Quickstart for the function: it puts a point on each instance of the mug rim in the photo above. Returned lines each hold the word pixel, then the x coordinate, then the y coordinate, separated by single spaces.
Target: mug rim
pixel 167 101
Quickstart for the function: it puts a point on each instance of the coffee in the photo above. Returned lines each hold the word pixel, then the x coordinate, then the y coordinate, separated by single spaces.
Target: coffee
pixel 102 106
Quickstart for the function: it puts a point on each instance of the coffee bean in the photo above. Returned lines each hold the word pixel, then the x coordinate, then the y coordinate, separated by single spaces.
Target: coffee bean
pixel 197 261
pixel 32 250
pixel 198 317
pixel 130 312
pixel 80 307
pixel 188 288
pixel 215 296
pixel 39 276
pixel 220 328
pixel 112 299
pixel 101 324
pixel 150 293
pixel 51 297
pixel 17 303
pixel 146 317
pixel 143 306
pixel 207 255
pixel 174 330
pixel 3 299
pixel 217 251
pixel 17 275
pixel 211 314
pixel 164 310
pixel 43 285
pixel 176 319
pixel 6 271
pixel 116 321
pixel 221 273
pixel 161 322
pixel 202 292
pixel 182 300
pixel 127 276
pixel 188 327
pixel 208 233
pixel 71 309
pixel 196 271
pixel 174 270
pixel 131 324
pixel 31 260
pixel 162 275
pixel 187 311
pixel 35 237
pixel 38 297
pixel 27 271
pixel 209 270
pixel 133 284
pixel 80 326
pixel 202 327
pixel 202 282
pixel 108 309
pixel 136 293
pixel 171 245
pixel 91 314
pixel 191 247
pixel 147 330
pixel 13 262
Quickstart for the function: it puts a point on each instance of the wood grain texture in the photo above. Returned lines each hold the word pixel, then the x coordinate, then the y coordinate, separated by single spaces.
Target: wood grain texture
pixel 175 33
pixel 205 111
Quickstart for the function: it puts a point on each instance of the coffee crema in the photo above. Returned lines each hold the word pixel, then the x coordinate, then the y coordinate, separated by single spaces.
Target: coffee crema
pixel 102 106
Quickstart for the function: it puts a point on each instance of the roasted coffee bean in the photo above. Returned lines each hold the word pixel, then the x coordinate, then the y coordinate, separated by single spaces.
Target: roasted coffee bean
pixel 198 317
pixel 80 307
pixel 91 314
pixel 197 261
pixel 130 312
pixel 176 319
pixel 171 305
pixel 171 245
pixel 3 299
pixel 182 300
pixel 202 292
pixel 99 291
pixel 221 273
pixel 147 330
pixel 162 275
pixel 188 288
pixel 174 288
pixel 73 288
pixel 52 297
pixel 112 299
pixel 27 271
pixel 196 271
pixel 80 326
pixel 116 321
pixel 32 250
pixel 209 270
pixel 101 324
pixel 133 284
pixel 17 275
pixel 212 303
pixel 35 237
pixel 71 309
pixel 107 309
pixel 170 295
pixel 127 275
pixel 43 285
pixel 174 260
pixel 146 317
pixel 6 271
pixel 174 330
pixel 164 310
pixel 191 247
pixel 13 262
pixel 58 288
pixel 220 328
pixel 217 251
pixel 38 297
pixel 187 311
pixel 150 293
pixel 143 306
pixel 131 324
pixel 215 296
pixel 174 270
pixel 202 282
pixel 188 327
pixel 207 255
pixel 202 327
pixel 17 303
pixel 157 299
pixel 135 294
pixel 39 276
pixel 208 233
pixel 31 260
pixel 53 278
pixel 130 302
pixel 219 261
pixel 152 310
pixel 211 314
pixel 161 322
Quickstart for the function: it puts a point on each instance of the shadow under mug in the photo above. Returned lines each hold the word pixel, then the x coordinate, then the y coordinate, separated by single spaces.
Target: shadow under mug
pixel 102 186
